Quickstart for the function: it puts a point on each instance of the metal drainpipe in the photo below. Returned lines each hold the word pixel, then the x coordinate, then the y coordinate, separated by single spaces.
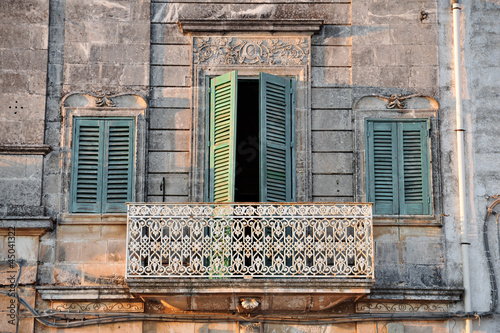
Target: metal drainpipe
pixel 464 241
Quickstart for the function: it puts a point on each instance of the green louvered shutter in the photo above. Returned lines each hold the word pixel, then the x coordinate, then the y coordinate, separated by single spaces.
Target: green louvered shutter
pixel 86 171
pixel 223 94
pixel 414 168
pixel 276 138
pixel 382 176
pixel 118 168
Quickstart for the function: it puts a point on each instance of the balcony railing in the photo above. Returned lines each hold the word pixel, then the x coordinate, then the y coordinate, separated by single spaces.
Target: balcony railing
pixel 261 240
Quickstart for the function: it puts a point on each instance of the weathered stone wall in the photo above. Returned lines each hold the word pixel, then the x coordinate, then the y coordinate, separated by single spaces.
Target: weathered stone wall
pixel 137 47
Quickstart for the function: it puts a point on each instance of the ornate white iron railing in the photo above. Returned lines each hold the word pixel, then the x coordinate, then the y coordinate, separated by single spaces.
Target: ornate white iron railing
pixel 258 240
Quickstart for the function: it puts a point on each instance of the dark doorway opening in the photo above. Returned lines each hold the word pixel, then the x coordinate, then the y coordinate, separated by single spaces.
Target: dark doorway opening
pixel 247 142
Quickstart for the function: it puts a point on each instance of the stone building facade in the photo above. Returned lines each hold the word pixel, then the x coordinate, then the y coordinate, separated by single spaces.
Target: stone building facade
pixel 148 68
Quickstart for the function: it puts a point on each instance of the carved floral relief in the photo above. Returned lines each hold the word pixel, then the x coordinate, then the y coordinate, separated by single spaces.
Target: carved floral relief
pixel 251 51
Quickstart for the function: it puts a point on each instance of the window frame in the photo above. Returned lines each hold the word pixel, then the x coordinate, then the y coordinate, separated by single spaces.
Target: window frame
pixel 419 107
pixel 102 206
pixel 81 104
pixel 397 150
pixel 200 128
pixel 291 155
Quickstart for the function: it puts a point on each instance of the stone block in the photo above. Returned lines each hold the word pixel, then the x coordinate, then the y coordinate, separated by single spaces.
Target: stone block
pixel 328 163
pixel 136 33
pixel 28 11
pixel 363 55
pixel 332 141
pixel 423 252
pixel 424 275
pixel 94 251
pixel 120 53
pixel 14 36
pixel 68 274
pixel 330 76
pixel 135 75
pixel 171 55
pixel 371 35
pixel 168 140
pixel 113 232
pixel 102 32
pixel 171 97
pixel 331 98
pixel 37 83
pixel 170 119
pixel 416 34
pixel 417 55
pixel 424 79
pixel 21 191
pixel 171 76
pixel 332 185
pixel 335 56
pixel 78 232
pixel 384 77
pixel 331 119
pixel 332 35
pixel 387 274
pixel 168 34
pixel 13 82
pixel 69 252
pixel 97 11
pixel 117 250
pixel 169 162
pixel 175 184
pixel 387 252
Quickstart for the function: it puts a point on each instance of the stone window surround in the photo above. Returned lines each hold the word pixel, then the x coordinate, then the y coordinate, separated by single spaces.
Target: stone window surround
pixel 202 72
pixel 417 107
pixel 82 104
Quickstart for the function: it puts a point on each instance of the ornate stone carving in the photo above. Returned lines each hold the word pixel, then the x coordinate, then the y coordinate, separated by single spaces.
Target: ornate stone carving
pixel 251 51
pixel 390 307
pixel 104 99
pixel 98 306
pixel 396 101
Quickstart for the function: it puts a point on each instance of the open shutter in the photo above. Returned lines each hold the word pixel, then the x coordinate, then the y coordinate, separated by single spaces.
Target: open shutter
pixel 118 168
pixel 382 166
pixel 275 138
pixel 414 192
pixel 86 166
pixel 223 93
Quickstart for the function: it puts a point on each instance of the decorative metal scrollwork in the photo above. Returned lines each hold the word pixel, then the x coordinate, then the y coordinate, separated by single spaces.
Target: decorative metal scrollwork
pixel 258 240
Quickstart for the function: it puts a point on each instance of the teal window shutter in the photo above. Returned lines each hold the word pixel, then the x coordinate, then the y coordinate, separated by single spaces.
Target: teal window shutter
pixel 275 138
pixel 414 168
pixel 398 167
pixel 382 167
pixel 118 167
pixel 102 165
pixel 86 175
pixel 223 95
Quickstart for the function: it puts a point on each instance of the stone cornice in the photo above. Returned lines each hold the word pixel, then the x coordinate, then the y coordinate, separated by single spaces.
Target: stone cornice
pixel 26 226
pixel 20 149
pixel 245 25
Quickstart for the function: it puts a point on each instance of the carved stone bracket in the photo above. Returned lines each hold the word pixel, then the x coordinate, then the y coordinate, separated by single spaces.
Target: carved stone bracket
pixel 251 51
